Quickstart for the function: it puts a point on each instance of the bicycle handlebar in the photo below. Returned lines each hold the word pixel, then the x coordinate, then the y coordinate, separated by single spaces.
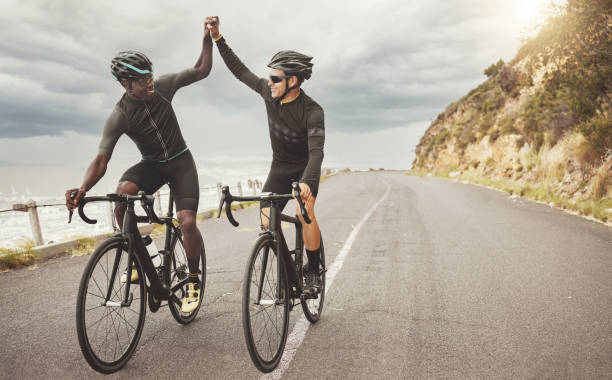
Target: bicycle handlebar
pixel 146 202
pixel 228 198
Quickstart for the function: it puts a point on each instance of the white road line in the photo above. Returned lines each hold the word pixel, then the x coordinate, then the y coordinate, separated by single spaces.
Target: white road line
pixel 301 326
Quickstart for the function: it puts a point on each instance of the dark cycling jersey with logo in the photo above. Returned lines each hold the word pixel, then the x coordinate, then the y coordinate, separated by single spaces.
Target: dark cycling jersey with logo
pixel 152 125
pixel 297 129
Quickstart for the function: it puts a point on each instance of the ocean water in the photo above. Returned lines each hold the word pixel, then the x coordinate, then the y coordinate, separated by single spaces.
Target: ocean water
pixel 47 185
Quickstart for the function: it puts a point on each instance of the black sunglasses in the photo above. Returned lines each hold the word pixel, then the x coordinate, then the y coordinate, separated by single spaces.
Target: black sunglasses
pixel 277 79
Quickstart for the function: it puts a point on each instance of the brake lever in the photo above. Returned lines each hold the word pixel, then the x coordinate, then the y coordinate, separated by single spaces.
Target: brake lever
pixel 298 198
pixel 221 204
pixel 73 195
pixel 226 198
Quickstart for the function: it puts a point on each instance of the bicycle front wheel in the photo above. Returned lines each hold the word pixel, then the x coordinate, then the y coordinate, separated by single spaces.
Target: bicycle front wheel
pixel 313 307
pixel 179 271
pixel 265 305
pixel 109 328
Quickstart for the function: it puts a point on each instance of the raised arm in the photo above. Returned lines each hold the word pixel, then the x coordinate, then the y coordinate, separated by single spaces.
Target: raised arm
pixel 233 63
pixel 204 63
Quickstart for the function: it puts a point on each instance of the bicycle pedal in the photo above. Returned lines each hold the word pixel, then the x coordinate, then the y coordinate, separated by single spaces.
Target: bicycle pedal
pixel 308 296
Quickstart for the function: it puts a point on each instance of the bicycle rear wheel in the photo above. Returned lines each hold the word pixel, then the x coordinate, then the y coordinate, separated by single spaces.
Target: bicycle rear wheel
pixel 109 330
pixel 265 305
pixel 179 271
pixel 314 307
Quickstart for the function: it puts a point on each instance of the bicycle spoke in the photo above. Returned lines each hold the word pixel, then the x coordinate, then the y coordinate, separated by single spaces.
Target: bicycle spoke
pixel 123 317
pixel 98 325
pixel 127 330
pixel 262 310
pixel 262 290
pixel 95 307
pixel 99 320
pixel 95 295
pixel 272 322
pixel 96 283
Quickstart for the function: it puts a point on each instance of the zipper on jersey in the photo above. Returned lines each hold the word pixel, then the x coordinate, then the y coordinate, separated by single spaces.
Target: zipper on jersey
pixel 159 136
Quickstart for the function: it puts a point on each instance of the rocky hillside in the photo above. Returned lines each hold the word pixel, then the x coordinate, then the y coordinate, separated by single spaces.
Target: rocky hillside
pixel 540 125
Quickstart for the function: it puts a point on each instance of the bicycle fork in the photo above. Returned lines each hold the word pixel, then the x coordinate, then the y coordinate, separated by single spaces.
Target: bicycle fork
pixel 128 297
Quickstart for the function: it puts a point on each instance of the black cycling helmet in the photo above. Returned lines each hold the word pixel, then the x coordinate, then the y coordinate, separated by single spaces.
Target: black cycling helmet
pixel 130 65
pixel 292 63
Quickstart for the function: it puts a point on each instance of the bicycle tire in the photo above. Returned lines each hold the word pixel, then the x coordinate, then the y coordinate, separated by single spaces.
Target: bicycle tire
pixel 255 314
pixel 94 284
pixel 179 270
pixel 314 307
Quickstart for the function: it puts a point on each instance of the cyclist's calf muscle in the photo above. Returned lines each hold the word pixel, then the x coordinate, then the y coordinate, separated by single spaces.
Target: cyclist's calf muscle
pixel 310 232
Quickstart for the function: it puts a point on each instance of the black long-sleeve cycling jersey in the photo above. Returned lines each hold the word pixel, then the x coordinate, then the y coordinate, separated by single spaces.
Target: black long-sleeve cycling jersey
pixel 297 129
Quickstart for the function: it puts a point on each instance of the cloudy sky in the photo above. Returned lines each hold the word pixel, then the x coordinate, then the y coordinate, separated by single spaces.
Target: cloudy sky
pixel 383 70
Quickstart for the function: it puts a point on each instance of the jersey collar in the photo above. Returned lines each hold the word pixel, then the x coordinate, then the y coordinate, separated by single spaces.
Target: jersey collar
pixel 285 101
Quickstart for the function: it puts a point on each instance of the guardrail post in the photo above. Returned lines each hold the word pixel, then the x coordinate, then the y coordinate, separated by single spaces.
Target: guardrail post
pixel 32 211
pixel 219 190
pixel 35 223
pixel 239 189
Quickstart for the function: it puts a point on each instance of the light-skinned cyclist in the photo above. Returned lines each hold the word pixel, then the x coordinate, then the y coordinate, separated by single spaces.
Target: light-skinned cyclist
pixel 297 133
pixel 145 114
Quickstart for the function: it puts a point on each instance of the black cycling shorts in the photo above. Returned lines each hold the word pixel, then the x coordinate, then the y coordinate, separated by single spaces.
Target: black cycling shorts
pixel 280 178
pixel 180 173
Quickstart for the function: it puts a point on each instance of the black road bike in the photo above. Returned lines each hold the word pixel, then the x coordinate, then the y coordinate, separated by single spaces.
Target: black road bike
pixel 274 281
pixel 110 310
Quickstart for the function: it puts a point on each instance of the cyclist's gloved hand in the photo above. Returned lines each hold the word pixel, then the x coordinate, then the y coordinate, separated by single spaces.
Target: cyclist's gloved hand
pixel 212 24
pixel 71 204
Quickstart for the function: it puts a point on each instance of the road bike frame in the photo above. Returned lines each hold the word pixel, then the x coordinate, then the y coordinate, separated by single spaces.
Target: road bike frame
pixel 136 247
pixel 291 265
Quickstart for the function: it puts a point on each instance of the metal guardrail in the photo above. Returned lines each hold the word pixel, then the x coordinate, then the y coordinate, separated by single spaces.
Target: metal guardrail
pixel 31 207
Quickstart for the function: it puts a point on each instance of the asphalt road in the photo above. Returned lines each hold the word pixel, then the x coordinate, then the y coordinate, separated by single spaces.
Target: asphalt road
pixel 444 281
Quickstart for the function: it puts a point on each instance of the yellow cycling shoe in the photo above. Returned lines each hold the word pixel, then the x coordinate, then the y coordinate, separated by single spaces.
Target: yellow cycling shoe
pixel 133 279
pixel 192 299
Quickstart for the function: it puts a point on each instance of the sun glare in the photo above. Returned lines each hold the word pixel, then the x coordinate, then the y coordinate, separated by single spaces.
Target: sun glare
pixel 529 14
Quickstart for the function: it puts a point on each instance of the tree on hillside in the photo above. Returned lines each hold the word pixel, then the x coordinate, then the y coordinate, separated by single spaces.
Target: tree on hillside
pixel 578 41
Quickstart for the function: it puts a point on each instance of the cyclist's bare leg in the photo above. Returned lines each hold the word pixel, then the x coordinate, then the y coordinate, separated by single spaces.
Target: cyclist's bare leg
pixel 192 238
pixel 125 187
pixel 264 215
pixel 310 232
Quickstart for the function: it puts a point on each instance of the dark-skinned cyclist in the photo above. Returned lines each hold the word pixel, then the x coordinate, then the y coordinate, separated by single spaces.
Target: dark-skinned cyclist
pixel 145 114
pixel 297 134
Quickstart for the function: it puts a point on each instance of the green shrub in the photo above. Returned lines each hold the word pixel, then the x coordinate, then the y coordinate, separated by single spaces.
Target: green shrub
pixel 508 79
pixel 506 125
pixel 492 70
pixel 16 258
pixel 598 133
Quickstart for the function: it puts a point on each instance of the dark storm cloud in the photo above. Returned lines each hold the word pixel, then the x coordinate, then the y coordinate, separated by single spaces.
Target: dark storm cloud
pixel 377 64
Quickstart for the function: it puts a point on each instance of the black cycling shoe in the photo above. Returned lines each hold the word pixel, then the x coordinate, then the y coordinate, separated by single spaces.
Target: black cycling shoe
pixel 312 281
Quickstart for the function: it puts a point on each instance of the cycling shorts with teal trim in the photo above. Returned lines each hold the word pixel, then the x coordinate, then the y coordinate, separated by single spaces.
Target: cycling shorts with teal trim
pixel 179 172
